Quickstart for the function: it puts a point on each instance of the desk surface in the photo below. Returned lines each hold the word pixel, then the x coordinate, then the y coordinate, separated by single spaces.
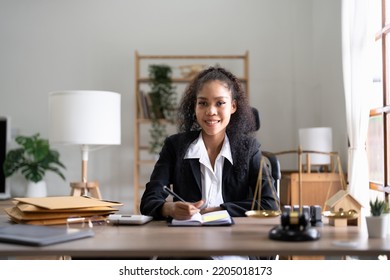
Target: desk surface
pixel 249 236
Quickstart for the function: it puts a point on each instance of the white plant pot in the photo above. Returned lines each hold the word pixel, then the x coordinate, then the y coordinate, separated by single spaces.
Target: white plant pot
pixel 388 223
pixel 38 189
pixel 377 226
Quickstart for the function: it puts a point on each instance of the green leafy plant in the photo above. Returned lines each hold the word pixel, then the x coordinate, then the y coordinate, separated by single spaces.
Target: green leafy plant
pixel 163 104
pixel 377 207
pixel 33 158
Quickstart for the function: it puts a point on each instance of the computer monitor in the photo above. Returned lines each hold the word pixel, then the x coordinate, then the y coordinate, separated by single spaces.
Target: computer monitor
pixel 5 136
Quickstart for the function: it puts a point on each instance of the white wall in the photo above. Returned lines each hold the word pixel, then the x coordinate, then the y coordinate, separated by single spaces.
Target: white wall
pixel 295 66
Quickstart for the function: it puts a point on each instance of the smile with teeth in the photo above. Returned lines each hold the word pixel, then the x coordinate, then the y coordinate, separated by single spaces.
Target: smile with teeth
pixel 212 122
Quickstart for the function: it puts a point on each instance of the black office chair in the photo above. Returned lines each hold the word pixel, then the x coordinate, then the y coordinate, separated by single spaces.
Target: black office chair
pixel 273 165
pixel 270 159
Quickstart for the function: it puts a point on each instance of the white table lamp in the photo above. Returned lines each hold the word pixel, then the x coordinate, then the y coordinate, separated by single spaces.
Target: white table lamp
pixel 88 118
pixel 317 139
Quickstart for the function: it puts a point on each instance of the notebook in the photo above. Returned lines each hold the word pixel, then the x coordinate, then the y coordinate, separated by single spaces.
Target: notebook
pixel 216 218
pixel 36 235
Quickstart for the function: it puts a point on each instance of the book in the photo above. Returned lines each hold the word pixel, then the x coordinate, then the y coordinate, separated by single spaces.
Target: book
pixel 215 218
pixel 145 105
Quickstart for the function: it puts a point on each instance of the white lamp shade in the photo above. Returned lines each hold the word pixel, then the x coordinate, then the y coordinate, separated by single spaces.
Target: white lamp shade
pixel 317 139
pixel 85 117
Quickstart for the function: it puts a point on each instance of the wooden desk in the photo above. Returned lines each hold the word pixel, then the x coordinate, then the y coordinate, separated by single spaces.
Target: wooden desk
pixel 317 188
pixel 249 236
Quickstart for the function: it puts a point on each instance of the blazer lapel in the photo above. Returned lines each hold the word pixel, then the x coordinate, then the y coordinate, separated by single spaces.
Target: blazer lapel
pixel 195 168
pixel 227 169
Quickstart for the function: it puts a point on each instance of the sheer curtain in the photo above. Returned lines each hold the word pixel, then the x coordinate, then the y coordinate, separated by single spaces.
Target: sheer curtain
pixel 357 82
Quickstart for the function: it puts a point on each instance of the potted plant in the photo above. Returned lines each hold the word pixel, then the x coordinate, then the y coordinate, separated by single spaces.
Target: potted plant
pixel 386 213
pixel 377 221
pixel 162 104
pixel 33 159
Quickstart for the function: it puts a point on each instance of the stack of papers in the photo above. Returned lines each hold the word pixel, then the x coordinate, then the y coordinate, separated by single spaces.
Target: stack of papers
pixel 58 209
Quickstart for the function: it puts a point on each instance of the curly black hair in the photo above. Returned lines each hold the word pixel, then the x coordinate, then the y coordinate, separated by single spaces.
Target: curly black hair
pixel 242 122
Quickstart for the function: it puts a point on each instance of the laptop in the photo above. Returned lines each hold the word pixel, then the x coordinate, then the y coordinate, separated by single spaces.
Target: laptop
pixel 36 235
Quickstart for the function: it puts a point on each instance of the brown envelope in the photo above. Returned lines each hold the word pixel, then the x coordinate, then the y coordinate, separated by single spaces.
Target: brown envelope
pixel 28 208
pixel 15 213
pixel 66 202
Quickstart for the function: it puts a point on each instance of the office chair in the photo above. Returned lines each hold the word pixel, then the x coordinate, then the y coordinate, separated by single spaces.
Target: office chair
pixel 273 165
pixel 270 159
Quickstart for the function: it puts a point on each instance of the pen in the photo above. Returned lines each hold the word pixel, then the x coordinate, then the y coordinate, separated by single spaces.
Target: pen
pixel 168 190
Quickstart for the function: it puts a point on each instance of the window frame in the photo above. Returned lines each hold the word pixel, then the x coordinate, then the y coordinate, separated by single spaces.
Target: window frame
pixel 384 110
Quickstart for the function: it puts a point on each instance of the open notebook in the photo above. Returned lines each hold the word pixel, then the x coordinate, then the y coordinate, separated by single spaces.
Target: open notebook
pixel 40 235
pixel 216 218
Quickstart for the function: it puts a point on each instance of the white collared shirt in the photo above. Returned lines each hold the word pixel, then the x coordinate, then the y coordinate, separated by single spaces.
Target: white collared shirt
pixel 211 177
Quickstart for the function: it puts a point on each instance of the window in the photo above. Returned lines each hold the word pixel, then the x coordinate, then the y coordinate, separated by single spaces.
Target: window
pixel 378 140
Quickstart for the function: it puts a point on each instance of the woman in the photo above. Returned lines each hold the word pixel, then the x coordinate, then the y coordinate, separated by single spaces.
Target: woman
pixel 214 160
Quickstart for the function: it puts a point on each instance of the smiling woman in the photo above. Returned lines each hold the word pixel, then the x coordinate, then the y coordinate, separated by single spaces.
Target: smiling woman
pixel 219 137
pixel 214 160
pixel 144 161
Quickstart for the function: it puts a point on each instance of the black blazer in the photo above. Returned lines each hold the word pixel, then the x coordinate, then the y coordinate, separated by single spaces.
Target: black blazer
pixel 184 175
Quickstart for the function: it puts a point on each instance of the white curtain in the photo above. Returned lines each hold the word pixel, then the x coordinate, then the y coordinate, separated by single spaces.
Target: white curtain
pixel 357 82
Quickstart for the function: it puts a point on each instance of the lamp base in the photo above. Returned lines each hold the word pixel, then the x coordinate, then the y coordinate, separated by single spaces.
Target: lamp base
pixel 284 234
pixel 80 188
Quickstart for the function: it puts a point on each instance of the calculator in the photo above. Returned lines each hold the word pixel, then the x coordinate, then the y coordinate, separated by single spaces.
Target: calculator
pixel 123 219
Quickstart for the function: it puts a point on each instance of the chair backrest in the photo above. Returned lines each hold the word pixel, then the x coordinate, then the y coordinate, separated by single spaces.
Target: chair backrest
pixel 257 117
pixel 271 160
pixel 274 168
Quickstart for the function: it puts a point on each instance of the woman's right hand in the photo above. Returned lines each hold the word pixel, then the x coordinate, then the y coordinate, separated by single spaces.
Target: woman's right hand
pixel 181 210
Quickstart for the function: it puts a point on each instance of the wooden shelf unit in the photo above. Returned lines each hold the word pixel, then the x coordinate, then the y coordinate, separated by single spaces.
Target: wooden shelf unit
pixel 141 62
